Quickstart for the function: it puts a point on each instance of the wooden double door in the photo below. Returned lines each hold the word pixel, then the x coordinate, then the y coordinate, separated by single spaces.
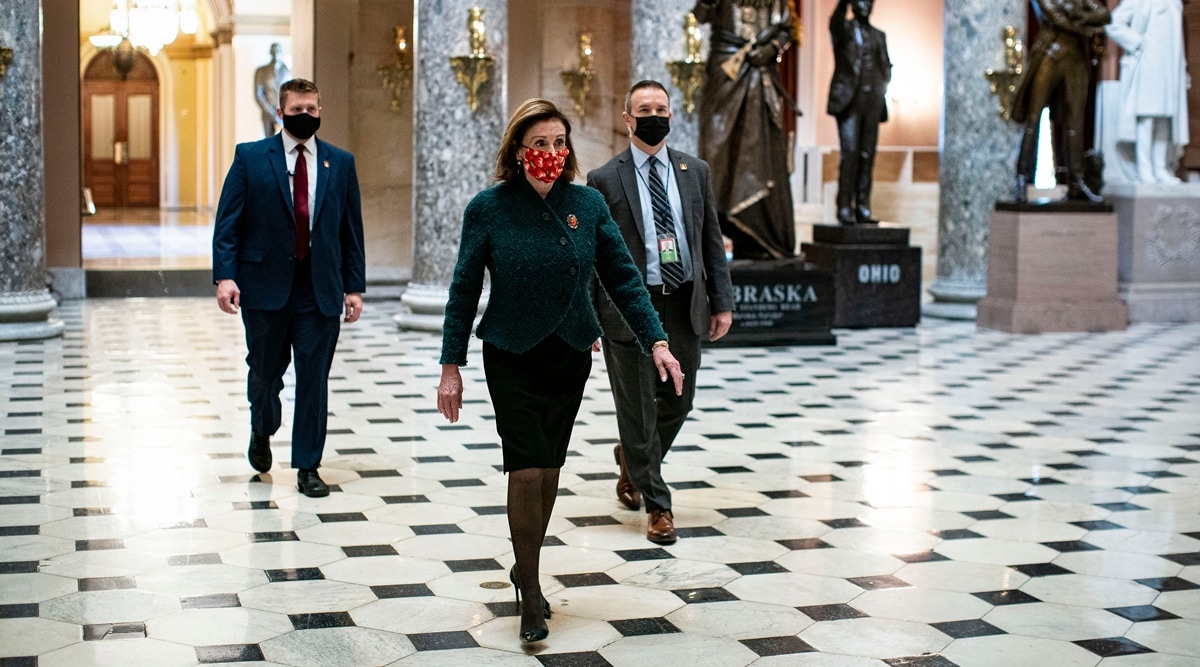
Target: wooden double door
pixel 121 133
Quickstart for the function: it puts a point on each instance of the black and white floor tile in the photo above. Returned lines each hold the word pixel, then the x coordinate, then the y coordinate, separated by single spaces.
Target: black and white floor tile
pixel 926 498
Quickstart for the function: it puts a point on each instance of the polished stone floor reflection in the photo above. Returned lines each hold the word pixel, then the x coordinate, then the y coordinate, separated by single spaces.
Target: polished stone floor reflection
pixel 931 497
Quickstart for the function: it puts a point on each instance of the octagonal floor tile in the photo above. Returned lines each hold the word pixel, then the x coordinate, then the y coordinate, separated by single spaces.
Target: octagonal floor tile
pixel 793 590
pixel 1018 650
pixel 337 647
pixel 739 620
pixel 189 580
pixel 307 597
pixel 34 636
pixel 876 638
pixel 925 605
pixel 218 627
pixel 112 606
pixel 683 649
pixel 420 615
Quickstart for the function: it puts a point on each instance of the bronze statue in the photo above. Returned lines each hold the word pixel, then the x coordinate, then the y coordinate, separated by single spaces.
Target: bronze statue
pixel 267 80
pixel 742 133
pixel 1057 76
pixel 861 73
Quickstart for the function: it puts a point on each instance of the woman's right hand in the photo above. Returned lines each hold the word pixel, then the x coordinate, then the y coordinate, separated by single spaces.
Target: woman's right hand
pixel 450 391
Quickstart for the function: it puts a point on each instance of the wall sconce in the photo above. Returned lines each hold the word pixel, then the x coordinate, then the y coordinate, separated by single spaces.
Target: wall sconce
pixel 6 56
pixel 579 81
pixel 1004 82
pixel 397 75
pixel 473 70
pixel 688 74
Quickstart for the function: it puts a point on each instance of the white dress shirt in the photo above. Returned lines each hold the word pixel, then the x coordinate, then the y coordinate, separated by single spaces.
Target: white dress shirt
pixel 641 163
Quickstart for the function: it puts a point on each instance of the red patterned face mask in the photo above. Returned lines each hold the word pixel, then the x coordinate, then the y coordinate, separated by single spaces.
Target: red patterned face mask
pixel 546 166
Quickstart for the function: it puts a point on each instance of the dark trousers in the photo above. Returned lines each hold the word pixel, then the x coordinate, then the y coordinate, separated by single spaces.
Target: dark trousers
pixel 272 338
pixel 858 134
pixel 1067 69
pixel 649 414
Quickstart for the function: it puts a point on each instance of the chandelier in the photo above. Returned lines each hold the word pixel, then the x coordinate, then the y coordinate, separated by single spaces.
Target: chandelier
pixel 149 24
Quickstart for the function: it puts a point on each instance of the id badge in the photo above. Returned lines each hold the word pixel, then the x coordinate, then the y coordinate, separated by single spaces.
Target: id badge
pixel 667 252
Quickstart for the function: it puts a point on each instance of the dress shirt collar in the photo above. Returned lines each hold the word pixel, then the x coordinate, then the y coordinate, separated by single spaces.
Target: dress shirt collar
pixel 290 143
pixel 640 156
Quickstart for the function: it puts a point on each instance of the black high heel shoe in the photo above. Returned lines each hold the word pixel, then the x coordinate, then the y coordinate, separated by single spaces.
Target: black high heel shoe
pixel 512 577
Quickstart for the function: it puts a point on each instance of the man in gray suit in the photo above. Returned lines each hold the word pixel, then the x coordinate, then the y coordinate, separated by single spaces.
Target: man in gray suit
pixel 663 202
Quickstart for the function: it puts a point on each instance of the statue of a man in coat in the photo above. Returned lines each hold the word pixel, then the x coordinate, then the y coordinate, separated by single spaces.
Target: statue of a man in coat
pixel 1154 82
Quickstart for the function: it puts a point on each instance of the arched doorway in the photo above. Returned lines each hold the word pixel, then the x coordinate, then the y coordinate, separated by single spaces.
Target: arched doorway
pixel 120 132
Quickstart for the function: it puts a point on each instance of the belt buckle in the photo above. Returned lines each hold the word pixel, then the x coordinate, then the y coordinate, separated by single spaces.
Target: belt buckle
pixel 667 291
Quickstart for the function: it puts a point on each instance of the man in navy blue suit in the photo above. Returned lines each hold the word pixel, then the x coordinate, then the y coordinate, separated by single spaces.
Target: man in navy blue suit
pixel 288 252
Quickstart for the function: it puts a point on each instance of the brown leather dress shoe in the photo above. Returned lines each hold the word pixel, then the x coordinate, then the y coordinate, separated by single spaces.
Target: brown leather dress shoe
pixel 627 493
pixel 660 528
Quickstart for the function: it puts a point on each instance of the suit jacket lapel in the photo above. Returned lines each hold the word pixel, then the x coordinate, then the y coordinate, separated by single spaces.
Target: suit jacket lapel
pixel 279 166
pixel 688 192
pixel 628 173
pixel 319 167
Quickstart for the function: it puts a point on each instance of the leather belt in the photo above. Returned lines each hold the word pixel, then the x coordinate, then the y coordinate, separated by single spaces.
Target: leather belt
pixel 663 290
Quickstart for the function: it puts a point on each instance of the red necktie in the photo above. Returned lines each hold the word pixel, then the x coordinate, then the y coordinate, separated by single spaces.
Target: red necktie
pixel 300 202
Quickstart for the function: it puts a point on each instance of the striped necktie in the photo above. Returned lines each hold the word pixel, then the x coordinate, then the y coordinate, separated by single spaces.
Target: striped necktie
pixel 664 226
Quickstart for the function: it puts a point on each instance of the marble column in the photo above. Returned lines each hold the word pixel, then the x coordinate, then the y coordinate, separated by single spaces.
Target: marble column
pixel 454 148
pixel 978 151
pixel 25 303
pixel 657 39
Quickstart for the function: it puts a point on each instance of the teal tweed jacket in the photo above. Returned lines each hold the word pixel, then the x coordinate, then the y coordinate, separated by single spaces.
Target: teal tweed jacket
pixel 542 255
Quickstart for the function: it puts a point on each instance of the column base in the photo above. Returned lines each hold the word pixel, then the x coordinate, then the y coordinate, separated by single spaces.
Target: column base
pixel 423 307
pixel 954 299
pixel 26 316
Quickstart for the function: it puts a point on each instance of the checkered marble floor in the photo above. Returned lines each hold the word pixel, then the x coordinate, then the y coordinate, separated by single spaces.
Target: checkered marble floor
pixel 931 497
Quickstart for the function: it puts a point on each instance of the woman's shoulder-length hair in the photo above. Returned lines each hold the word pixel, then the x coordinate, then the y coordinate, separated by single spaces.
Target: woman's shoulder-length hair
pixel 530 113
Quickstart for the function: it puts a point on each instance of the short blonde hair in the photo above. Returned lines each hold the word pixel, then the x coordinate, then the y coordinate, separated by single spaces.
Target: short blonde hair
pixel 530 113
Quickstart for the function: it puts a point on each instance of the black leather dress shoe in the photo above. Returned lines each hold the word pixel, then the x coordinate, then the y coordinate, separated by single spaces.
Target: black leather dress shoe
pixel 259 452
pixel 311 485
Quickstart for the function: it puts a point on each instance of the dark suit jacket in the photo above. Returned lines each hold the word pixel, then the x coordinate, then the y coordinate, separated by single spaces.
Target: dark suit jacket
pixel 712 290
pixel 254 239
pixel 847 63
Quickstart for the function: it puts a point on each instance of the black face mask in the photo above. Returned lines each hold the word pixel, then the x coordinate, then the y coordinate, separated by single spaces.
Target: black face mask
pixel 652 129
pixel 301 125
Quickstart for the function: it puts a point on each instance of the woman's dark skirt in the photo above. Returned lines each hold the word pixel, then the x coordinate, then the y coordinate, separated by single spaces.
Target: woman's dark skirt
pixel 536 396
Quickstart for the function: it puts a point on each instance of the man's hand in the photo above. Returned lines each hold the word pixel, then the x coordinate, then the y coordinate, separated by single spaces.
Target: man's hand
pixel 668 367
pixel 229 297
pixel 718 325
pixel 450 391
pixel 353 307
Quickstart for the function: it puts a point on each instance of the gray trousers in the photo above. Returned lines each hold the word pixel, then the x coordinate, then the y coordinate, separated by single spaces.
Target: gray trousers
pixel 649 414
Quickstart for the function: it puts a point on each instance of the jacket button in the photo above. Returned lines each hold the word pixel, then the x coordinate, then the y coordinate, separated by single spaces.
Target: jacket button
pixel 573 270
pixel 562 241
pixel 562 299
pixel 545 216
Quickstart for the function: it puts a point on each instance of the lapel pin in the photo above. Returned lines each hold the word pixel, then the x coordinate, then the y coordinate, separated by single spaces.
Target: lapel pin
pixel 326 163
pixel 682 166
pixel 573 221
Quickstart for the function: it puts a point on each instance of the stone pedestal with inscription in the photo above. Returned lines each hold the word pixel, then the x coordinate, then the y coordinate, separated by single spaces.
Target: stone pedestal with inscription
pixel 780 302
pixel 1158 250
pixel 1052 267
pixel 876 272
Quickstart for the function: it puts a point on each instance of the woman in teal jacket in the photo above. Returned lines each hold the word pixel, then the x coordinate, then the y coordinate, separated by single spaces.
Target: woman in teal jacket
pixel 542 239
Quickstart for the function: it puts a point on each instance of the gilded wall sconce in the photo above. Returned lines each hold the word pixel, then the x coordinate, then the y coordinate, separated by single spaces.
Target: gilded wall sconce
pixel 472 71
pixel 579 81
pixel 688 74
pixel 1004 82
pixel 397 75
pixel 6 56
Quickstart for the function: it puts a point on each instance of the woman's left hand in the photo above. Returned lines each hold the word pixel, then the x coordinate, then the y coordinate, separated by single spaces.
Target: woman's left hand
pixel 667 365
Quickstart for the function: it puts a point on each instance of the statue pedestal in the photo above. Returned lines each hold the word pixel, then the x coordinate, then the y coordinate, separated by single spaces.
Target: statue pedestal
pixel 1158 245
pixel 876 272
pixel 1052 267
pixel 780 302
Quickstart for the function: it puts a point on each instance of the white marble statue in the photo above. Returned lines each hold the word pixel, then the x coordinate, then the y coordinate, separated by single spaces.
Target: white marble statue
pixel 1153 88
